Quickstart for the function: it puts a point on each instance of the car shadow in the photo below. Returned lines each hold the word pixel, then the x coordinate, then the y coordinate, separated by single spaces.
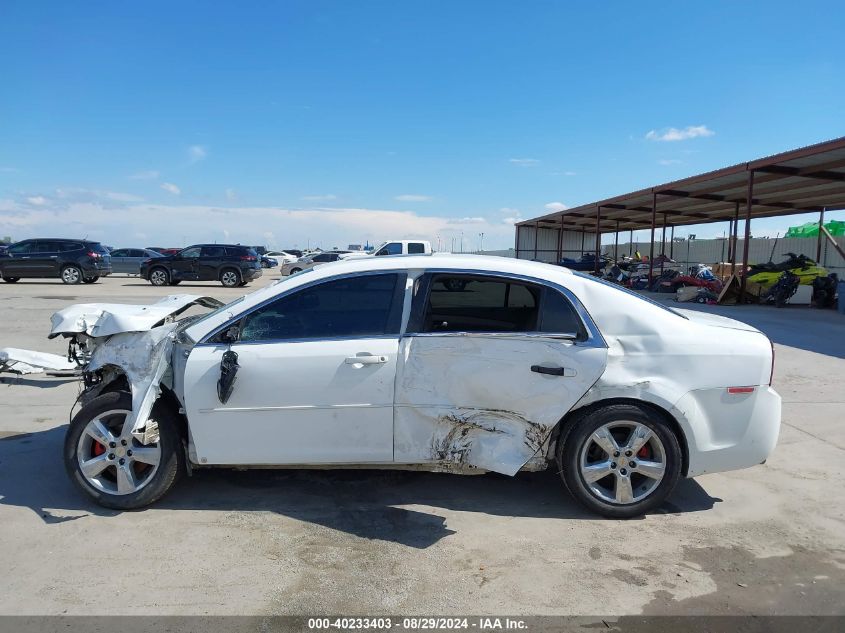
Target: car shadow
pixel 363 502
pixel 41 383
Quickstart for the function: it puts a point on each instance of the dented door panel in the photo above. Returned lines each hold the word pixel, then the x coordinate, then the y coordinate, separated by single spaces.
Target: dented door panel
pixel 472 401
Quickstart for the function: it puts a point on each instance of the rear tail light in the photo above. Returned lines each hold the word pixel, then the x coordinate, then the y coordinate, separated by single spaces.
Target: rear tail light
pixel 94 255
pixel 249 258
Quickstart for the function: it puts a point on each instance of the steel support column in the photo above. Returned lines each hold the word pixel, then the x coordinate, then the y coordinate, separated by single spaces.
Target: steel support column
pixel 651 243
pixel 663 245
pixel 516 244
pixel 631 244
pixel 819 243
pixel 734 237
pixel 747 235
pixel 616 243
pixel 598 240
pixel 672 244
pixel 582 242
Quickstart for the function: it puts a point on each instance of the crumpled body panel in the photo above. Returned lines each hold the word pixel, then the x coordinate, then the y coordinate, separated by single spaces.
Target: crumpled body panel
pixel 24 361
pixel 105 319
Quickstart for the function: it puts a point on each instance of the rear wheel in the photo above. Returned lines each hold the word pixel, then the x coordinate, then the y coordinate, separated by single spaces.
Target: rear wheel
pixel 11 280
pixel 621 460
pixel 110 465
pixel 230 278
pixel 159 277
pixel 71 275
pixel 293 271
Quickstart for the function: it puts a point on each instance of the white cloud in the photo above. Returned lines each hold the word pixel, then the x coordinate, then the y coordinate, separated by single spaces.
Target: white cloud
pixel 320 198
pixel 468 220
pixel 524 162
pixel 231 195
pixel 669 161
pixel 171 188
pixel 149 174
pixel 674 134
pixel 38 201
pixel 80 194
pixel 556 206
pixel 116 222
pixel 196 153
pixel 412 197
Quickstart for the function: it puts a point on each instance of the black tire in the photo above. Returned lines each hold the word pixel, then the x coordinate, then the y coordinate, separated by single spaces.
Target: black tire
pixel 71 275
pixel 159 276
pixel 230 277
pixel 170 467
pixel 11 280
pixel 90 280
pixel 293 271
pixel 175 282
pixel 265 264
pixel 570 447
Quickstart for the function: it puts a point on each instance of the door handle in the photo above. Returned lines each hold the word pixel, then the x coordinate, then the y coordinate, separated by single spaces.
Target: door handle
pixel 365 359
pixel 553 371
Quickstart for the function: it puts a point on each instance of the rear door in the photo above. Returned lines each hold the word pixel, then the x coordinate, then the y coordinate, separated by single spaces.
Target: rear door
pixel 211 258
pixel 43 260
pixel 488 367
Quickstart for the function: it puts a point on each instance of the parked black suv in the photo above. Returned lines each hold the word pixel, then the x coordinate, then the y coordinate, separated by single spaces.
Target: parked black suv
pixel 71 261
pixel 230 264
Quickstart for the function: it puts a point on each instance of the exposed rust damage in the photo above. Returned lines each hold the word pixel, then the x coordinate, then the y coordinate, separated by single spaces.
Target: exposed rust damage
pixel 488 439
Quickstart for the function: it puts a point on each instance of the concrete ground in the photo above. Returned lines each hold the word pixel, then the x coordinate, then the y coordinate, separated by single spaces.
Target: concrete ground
pixel 768 540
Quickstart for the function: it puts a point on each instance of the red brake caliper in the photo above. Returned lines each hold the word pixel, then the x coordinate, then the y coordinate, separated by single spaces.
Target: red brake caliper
pixel 98 449
pixel 643 452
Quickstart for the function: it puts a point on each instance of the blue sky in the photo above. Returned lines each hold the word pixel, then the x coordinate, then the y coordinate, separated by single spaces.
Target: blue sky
pixel 166 123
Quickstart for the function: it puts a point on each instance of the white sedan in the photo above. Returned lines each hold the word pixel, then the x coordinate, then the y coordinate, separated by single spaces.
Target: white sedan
pixel 459 364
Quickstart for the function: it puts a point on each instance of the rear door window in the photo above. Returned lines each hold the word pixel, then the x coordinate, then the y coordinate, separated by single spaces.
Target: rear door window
pixel 415 248
pixel 213 251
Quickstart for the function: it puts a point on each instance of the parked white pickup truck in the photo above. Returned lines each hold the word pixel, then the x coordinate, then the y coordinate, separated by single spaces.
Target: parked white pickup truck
pixel 404 247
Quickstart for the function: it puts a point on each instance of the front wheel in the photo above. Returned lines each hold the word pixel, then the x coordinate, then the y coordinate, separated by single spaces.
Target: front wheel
pixel 110 465
pixel 620 461
pixel 159 277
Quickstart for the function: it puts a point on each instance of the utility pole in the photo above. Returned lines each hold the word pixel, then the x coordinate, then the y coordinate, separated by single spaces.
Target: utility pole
pixel 481 243
pixel 462 241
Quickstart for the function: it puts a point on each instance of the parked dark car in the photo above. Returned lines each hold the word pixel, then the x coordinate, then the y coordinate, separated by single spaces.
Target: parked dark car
pixel 269 262
pixel 72 261
pixel 128 260
pixel 230 264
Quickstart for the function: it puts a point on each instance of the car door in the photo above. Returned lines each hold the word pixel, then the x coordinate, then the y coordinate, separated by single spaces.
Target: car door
pixel 44 258
pixel 119 260
pixel 16 259
pixel 185 264
pixel 488 367
pixel 211 258
pixel 315 380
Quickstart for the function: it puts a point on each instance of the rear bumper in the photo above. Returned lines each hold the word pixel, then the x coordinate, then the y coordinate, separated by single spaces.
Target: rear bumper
pixel 251 273
pixel 729 431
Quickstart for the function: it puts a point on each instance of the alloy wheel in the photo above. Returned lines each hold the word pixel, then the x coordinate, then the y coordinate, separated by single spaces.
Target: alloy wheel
pixel 111 460
pixel 623 462
pixel 158 277
pixel 71 275
pixel 229 278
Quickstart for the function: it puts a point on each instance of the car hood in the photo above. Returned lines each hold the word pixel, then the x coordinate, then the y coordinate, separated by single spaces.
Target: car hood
pixel 105 319
pixel 706 318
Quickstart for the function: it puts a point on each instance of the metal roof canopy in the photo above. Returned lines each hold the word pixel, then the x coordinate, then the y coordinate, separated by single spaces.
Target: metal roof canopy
pixel 809 179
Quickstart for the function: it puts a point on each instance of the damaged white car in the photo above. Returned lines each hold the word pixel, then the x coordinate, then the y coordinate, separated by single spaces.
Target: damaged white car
pixel 461 364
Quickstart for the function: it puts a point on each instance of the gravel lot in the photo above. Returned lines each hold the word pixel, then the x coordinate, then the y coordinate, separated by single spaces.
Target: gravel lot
pixel 768 540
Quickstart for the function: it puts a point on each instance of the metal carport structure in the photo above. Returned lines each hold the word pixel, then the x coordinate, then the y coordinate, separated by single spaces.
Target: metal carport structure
pixel 809 179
